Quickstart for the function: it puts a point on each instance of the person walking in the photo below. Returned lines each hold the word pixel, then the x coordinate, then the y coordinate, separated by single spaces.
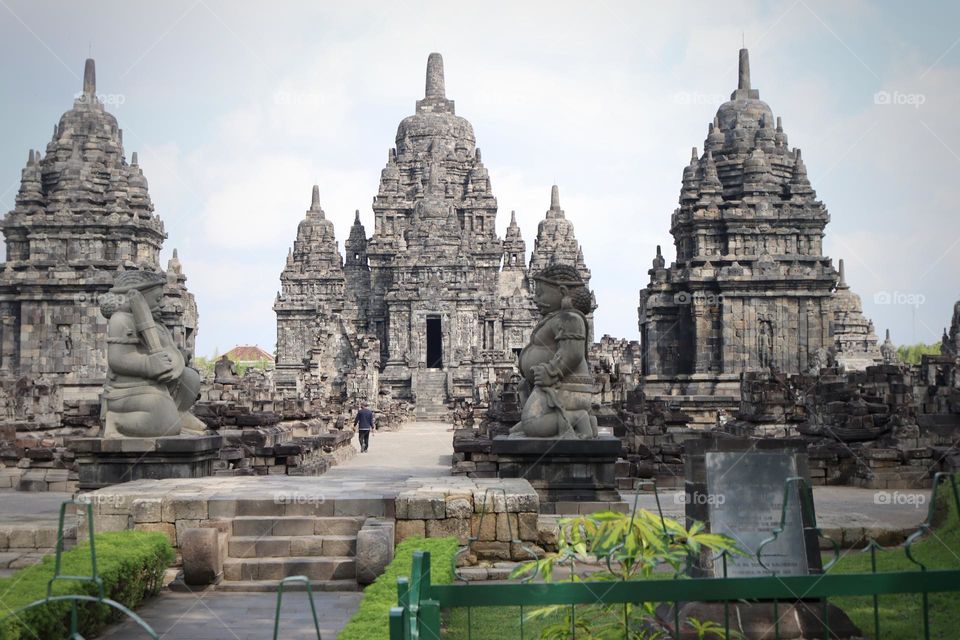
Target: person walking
pixel 364 424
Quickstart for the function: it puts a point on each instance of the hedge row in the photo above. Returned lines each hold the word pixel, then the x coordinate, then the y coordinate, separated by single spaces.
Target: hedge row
pixel 130 563
pixel 371 621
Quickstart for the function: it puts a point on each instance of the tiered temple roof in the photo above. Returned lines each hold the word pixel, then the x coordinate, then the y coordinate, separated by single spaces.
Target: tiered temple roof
pixel 81 213
pixel 750 287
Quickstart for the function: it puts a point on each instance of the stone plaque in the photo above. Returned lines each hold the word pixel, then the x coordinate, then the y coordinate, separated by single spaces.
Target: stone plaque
pixel 745 501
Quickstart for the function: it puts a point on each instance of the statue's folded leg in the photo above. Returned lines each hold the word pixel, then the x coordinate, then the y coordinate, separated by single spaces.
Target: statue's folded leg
pixel 146 415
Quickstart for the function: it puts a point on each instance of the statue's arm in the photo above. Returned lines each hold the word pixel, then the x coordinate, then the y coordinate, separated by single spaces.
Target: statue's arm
pixel 124 359
pixel 122 356
pixel 570 333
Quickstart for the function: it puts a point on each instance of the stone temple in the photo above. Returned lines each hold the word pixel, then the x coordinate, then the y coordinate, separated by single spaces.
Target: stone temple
pixel 448 302
pixel 82 213
pixel 751 288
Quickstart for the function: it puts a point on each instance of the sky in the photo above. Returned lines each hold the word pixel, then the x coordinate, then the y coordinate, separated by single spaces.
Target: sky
pixel 237 108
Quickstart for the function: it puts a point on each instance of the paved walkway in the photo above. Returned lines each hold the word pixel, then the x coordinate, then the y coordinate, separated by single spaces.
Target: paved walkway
pixel 238 616
pixel 835 506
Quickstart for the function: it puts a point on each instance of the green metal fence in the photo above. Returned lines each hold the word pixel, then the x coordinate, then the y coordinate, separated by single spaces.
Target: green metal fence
pixel 93 578
pixel 420 603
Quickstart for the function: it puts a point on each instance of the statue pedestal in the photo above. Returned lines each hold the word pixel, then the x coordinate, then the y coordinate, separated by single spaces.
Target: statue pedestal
pixel 108 461
pixel 561 470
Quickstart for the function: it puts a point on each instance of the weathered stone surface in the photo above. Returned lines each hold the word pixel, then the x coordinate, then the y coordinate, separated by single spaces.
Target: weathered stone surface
pixel 410 529
pixel 202 556
pixel 459 507
pixel 374 550
pixel 458 528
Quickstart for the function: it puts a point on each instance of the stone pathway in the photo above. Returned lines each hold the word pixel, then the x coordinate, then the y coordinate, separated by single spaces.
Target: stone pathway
pixel 419 449
pixel 238 616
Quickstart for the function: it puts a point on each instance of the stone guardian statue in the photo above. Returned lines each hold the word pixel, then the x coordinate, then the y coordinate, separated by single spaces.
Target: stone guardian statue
pixel 558 384
pixel 149 389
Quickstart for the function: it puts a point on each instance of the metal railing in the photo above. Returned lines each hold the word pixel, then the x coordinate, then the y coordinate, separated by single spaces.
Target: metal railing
pixel 93 578
pixel 419 602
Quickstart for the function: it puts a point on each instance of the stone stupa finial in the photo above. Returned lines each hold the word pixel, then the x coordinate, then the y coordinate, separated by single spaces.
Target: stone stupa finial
pixel 513 217
pixel 435 84
pixel 90 78
pixel 842 283
pixel 356 216
pixel 315 198
pixel 555 197
pixel 744 81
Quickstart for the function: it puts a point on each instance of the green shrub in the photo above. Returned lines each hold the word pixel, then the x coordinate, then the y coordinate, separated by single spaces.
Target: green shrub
pixel 130 563
pixel 913 353
pixel 370 622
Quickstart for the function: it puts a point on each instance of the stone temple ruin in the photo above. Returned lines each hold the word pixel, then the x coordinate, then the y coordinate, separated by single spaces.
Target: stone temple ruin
pixel 750 288
pixel 751 334
pixel 444 299
pixel 82 213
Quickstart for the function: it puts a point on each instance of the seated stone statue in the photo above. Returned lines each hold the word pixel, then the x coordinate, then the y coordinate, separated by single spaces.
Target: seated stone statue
pixel 224 371
pixel 149 389
pixel 558 385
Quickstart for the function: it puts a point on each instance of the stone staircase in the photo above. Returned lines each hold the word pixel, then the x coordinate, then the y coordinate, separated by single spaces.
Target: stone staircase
pixel 431 391
pixel 262 550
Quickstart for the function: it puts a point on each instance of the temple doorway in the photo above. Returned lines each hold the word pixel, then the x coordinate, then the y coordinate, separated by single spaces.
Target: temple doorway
pixel 434 343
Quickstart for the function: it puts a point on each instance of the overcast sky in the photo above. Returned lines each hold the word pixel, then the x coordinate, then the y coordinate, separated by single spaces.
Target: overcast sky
pixel 238 108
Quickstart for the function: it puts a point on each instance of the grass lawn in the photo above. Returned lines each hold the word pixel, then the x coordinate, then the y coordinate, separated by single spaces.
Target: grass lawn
pixel 900 616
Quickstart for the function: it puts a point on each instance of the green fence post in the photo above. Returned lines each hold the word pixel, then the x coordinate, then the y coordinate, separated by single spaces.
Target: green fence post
pixel 396 623
pixel 313 609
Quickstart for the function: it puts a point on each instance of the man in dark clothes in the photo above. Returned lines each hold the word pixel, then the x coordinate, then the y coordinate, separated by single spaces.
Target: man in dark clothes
pixel 364 424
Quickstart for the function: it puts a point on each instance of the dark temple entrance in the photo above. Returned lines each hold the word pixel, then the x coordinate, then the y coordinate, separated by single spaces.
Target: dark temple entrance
pixel 434 343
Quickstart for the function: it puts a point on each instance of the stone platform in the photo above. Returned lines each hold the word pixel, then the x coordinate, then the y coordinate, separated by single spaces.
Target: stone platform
pixel 561 470
pixel 109 461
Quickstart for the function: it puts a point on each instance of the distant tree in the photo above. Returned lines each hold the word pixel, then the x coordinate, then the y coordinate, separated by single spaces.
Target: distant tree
pixel 204 364
pixel 911 353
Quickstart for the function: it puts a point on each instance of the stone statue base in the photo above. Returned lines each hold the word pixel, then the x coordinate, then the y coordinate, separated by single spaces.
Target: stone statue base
pixel 104 461
pixel 561 470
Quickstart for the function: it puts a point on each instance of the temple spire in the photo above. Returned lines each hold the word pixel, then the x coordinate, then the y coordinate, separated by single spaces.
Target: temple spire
pixel 356 217
pixel 90 78
pixel 842 283
pixel 435 84
pixel 315 198
pixel 555 197
pixel 744 82
pixel 513 217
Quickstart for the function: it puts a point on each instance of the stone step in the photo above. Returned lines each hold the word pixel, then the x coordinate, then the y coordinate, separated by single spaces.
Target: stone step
pixel 313 567
pixel 259 526
pixel 286 546
pixel 270 586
